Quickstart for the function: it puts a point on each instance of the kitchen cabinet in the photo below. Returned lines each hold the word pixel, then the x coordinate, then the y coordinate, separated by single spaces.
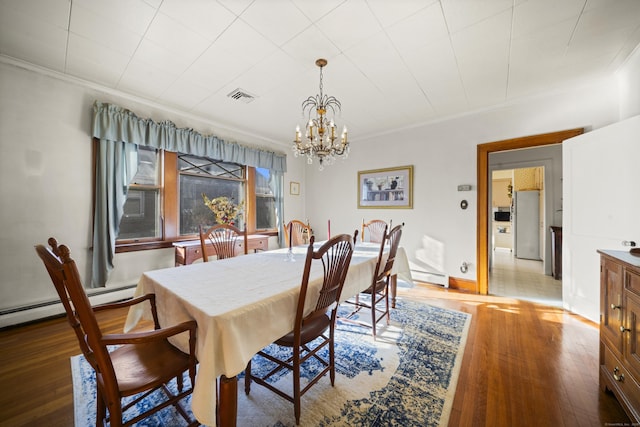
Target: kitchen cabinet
pixel 500 193
pixel 620 328
pixel 502 237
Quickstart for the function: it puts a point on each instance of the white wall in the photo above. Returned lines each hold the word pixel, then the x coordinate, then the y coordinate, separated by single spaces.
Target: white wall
pixel 602 202
pixel 629 86
pixel 444 156
pixel 46 181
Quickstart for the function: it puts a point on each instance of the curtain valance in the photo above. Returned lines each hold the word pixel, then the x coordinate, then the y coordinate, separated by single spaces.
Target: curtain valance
pixel 114 123
pixel 119 133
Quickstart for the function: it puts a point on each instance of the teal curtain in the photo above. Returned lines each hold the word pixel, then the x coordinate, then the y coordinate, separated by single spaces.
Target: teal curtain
pixel 116 165
pixel 276 182
pixel 119 132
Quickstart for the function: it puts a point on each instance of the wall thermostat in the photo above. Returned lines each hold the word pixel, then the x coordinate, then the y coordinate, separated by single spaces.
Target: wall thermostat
pixel 464 187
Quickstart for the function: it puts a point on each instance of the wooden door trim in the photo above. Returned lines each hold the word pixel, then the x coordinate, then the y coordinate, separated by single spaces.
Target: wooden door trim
pixel 482 227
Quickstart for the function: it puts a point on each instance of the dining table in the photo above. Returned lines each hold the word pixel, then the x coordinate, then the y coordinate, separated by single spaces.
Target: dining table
pixel 241 305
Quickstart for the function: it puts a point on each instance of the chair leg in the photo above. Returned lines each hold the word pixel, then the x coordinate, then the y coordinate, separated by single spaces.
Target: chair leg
pixel 386 298
pixel 101 411
pixel 374 297
pixel 247 378
pixel 332 356
pixel 296 384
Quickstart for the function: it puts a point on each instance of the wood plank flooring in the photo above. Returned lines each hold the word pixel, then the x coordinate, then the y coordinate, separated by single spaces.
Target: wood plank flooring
pixel 524 365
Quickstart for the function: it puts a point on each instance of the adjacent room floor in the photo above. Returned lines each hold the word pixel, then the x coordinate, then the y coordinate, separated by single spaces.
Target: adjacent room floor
pixel 523 279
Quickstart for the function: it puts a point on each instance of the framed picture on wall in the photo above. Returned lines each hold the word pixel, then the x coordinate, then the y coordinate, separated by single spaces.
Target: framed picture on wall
pixel 386 188
pixel 294 188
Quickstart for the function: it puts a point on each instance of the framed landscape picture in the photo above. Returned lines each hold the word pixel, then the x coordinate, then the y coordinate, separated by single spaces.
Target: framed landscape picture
pixel 386 188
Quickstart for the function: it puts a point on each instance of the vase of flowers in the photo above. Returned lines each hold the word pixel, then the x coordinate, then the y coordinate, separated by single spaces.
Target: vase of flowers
pixel 223 208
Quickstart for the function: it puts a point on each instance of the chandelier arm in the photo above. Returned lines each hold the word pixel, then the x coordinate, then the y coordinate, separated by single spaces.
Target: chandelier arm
pixel 320 138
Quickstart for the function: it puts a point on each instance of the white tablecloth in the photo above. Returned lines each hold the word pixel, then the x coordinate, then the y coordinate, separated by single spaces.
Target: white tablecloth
pixel 241 305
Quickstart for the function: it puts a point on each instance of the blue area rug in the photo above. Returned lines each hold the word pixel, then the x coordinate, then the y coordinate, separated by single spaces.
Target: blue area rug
pixel 405 378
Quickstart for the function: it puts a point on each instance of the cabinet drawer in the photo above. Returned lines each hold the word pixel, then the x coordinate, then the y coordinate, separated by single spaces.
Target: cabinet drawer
pixel 632 280
pixel 629 390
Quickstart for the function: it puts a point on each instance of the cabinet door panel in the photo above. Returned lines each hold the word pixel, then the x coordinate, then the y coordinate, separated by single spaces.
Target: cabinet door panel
pixel 632 335
pixel 632 280
pixel 611 302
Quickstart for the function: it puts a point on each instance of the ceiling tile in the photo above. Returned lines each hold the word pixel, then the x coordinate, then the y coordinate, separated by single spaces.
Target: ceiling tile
pixel 279 68
pixel 52 12
pixel 146 80
pixel 184 94
pixel 436 71
pixel 32 40
pixel 279 21
pixel 175 37
pixel 134 15
pixel 353 15
pixel 314 10
pixel 216 67
pixel 424 27
pixel 390 12
pixel 91 61
pixel 310 45
pixel 418 59
pixel 236 6
pixel 463 14
pixel 89 25
pixel 205 17
pixel 532 17
pixel 245 42
pixel 482 54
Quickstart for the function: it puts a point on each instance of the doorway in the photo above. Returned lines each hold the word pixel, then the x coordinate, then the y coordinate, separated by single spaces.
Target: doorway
pixel 519 222
pixel 483 223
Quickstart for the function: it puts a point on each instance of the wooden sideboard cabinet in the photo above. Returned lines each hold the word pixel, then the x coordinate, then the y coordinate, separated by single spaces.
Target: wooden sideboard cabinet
pixel 189 251
pixel 620 328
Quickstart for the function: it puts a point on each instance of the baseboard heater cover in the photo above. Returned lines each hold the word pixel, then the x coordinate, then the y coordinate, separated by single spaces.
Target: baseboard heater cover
pixel 430 277
pixel 33 312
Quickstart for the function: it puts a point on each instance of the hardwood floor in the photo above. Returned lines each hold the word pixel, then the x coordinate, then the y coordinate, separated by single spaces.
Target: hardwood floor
pixel 524 365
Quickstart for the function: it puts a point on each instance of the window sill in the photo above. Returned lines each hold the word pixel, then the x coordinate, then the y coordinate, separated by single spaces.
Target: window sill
pixel 145 246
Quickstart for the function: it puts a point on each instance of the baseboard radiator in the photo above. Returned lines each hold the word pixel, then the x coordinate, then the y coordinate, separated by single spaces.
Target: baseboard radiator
pixel 34 312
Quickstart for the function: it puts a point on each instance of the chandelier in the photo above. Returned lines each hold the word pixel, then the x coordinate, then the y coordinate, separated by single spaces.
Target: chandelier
pixel 320 134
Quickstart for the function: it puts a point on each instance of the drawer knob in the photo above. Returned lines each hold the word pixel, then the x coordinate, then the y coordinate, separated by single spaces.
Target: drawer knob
pixel 616 376
pixel 615 307
pixel 197 251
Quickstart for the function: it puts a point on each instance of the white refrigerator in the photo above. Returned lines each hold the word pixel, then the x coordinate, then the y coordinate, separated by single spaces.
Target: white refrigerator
pixel 526 220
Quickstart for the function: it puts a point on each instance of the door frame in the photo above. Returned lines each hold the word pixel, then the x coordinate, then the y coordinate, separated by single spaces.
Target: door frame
pixel 482 227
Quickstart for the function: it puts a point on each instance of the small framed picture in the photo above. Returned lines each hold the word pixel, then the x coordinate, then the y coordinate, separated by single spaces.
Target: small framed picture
pixel 294 188
pixel 386 188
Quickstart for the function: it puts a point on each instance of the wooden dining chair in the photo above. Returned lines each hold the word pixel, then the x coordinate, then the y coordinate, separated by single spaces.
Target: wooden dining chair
pixel 376 296
pixel 142 362
pixel 225 239
pixel 300 232
pixel 319 324
pixel 373 230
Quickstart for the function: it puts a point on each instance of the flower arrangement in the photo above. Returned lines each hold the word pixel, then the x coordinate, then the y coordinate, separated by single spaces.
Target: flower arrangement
pixel 223 208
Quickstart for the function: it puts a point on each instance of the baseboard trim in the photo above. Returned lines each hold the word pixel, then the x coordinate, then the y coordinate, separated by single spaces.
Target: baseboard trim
pixel 36 312
pixel 463 284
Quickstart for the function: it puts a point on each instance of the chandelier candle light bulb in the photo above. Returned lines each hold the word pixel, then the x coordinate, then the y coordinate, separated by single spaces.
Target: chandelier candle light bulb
pixel 321 143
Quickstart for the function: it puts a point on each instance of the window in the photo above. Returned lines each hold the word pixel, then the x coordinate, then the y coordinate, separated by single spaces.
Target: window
pixel 142 219
pixel 165 203
pixel 200 176
pixel 265 201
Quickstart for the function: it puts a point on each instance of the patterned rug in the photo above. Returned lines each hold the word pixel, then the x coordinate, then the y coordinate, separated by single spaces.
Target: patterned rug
pixel 407 377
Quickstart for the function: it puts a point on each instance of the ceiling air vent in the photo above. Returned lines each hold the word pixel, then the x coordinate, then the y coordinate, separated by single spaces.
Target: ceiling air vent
pixel 241 95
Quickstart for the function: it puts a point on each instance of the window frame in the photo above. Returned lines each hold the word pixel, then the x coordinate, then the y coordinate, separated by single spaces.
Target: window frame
pixel 169 209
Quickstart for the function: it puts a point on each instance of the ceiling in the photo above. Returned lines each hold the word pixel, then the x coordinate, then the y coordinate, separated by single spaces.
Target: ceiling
pixel 392 64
